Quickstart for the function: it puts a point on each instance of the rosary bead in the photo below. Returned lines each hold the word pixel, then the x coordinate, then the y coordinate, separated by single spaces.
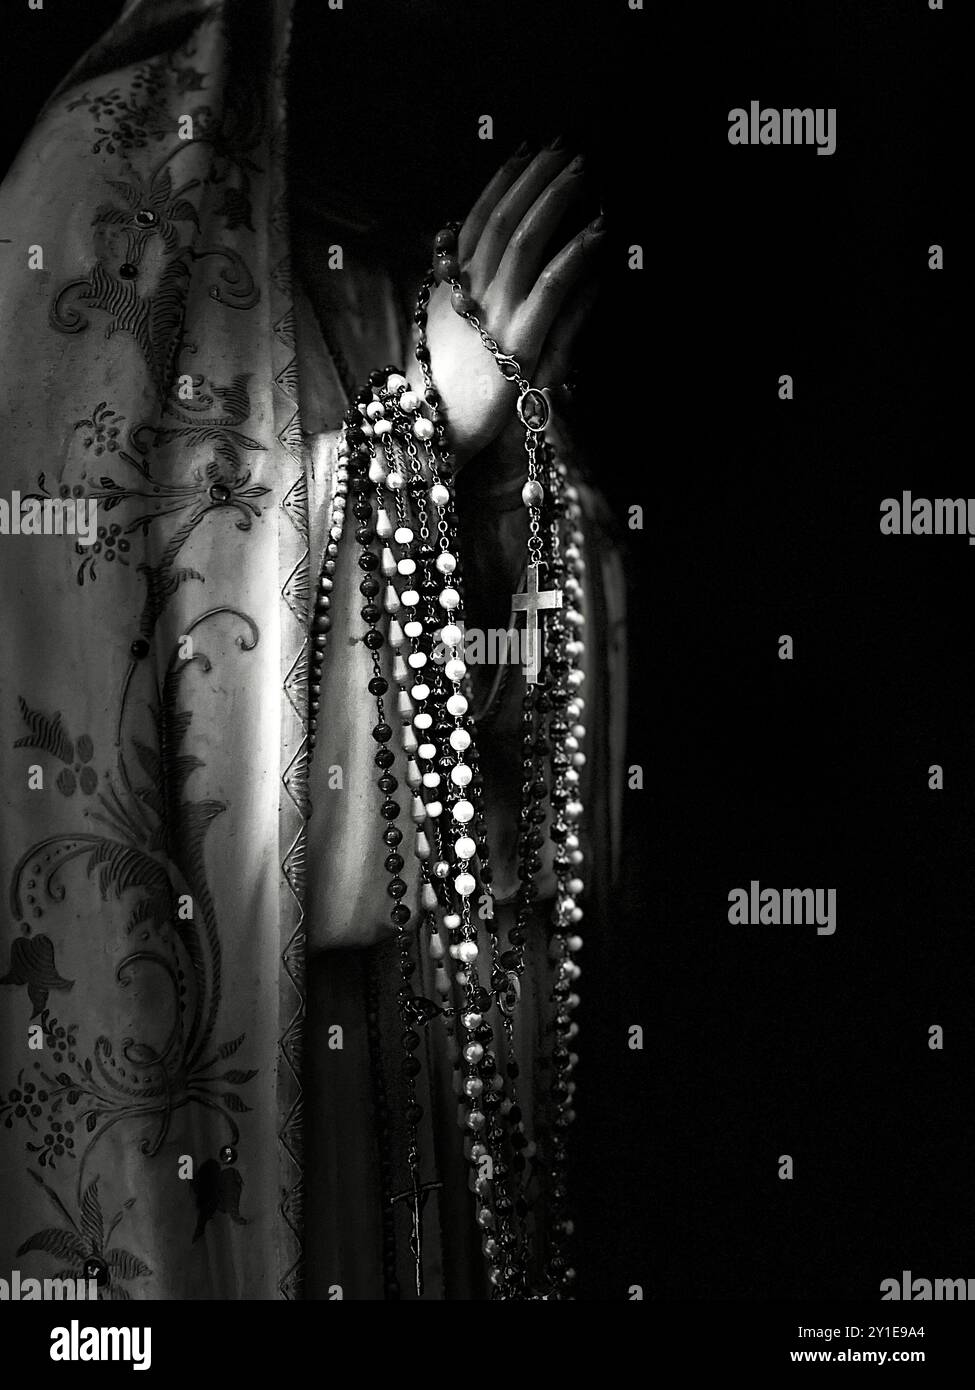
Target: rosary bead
pixel 392 836
pixel 451 635
pixel 395 381
pixel 377 472
pixel 473 1053
pixel 445 240
pixel 449 599
pixel 532 494
pixel 452 921
pixel 382 427
pixel 428 898
pixel 434 809
pixel 391 600
pixel 455 670
pixel 389 810
pixel 460 740
pixel 396 888
pixel 382 733
pixel 413 628
pixel 445 562
pixel 373 639
pixel 410 598
pixel 406 566
pixel 427 750
pixel 421 846
pixel 393 862
pixel 417 660
pixel 462 811
pixel 460 302
pixel 431 779
pixel 465 848
pixel 420 692
pixel 423 429
pixel 369 588
pixel 409 401
pixel 461 775
pixel 419 811
pixel 445 267
pixel 457 706
pixel 387 783
pixel 396 482
pixel 422 720
pixel 465 885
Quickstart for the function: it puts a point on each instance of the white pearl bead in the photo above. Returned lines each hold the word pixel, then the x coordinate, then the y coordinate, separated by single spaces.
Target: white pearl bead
pixel 576 677
pixel 438 494
pixel 575 885
pixel 382 427
pixel 573 810
pixel 457 705
pixel 451 635
pixel 413 628
pixel 572 743
pixel 465 885
pixel 455 670
pixel 394 381
pixel 461 775
pixel 578 731
pixel 396 481
pixel 577 856
pixel 375 410
pixel 420 692
pixel 431 779
pixel 462 812
pixel 449 598
pixel 377 472
pixel 423 720
pixel 427 750
pixel 473 1052
pixel 572 841
pixel 574 943
pixel 445 562
pixel 578 759
pixel 572 776
pixel 460 739
pixel 467 949
pixel 417 660
pixel 465 848
pixel 423 429
pixel 574 618
pixel 434 809
pixel 451 921
pixel 576 915
pixel 403 535
pixel 409 401
pixel 406 566
pixel 410 597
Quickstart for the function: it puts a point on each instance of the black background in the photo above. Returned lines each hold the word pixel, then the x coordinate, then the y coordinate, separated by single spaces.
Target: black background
pixel 761 518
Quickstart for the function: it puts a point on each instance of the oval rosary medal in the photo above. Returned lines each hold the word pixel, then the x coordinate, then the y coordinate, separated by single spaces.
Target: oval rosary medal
pixel 533 410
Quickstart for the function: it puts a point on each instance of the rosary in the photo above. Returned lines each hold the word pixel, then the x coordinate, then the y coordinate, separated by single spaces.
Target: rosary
pixel 396 469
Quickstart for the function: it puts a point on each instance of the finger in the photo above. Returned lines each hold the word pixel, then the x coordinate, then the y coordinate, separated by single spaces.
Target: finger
pixel 508 212
pixel 522 259
pixel 555 361
pixel 474 223
pixel 561 276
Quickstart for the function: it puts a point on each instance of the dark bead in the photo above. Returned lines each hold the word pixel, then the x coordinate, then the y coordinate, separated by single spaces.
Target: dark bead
pixel 139 648
pixel 371 614
pixel 510 959
pixel 385 757
pixel 516 937
pixel 382 733
pixel 377 378
pixel 393 863
pixel 362 511
pixel 410 1040
pixel 422 354
pixel 128 271
pixel 425 553
pixel 392 835
pixel 513 1070
pixel 378 685
pixel 219 492
pixel 228 1154
pixel 396 888
pixel 432 396
pixel 354 436
pixel 539 815
pixel 369 588
pixel 484 1033
pixel 387 783
pixel 322 622
pixel 411 1066
pixel 400 914
pixel 482 1000
pixel 374 640
pixel 368 561
pixel 363 397
pixel 389 810
pixel 487 873
pixel 365 535
pixel 414 1114
pixel 96 1268
pixel 445 240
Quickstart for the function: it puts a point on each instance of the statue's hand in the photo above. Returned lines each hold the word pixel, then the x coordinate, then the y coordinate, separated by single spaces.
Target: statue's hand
pixel 532 309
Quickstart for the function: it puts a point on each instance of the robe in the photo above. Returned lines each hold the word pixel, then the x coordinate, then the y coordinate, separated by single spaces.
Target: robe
pixel 194 908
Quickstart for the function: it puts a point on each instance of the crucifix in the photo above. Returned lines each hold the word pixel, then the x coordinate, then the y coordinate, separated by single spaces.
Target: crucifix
pixel 416 1194
pixel 531 604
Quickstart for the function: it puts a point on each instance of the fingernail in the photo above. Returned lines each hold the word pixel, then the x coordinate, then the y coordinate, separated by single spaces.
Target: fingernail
pixel 558 143
pixel 577 165
pixel 598 225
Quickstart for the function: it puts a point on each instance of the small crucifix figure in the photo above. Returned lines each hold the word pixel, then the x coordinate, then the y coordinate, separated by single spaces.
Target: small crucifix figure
pixel 416 1194
pixel 531 604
